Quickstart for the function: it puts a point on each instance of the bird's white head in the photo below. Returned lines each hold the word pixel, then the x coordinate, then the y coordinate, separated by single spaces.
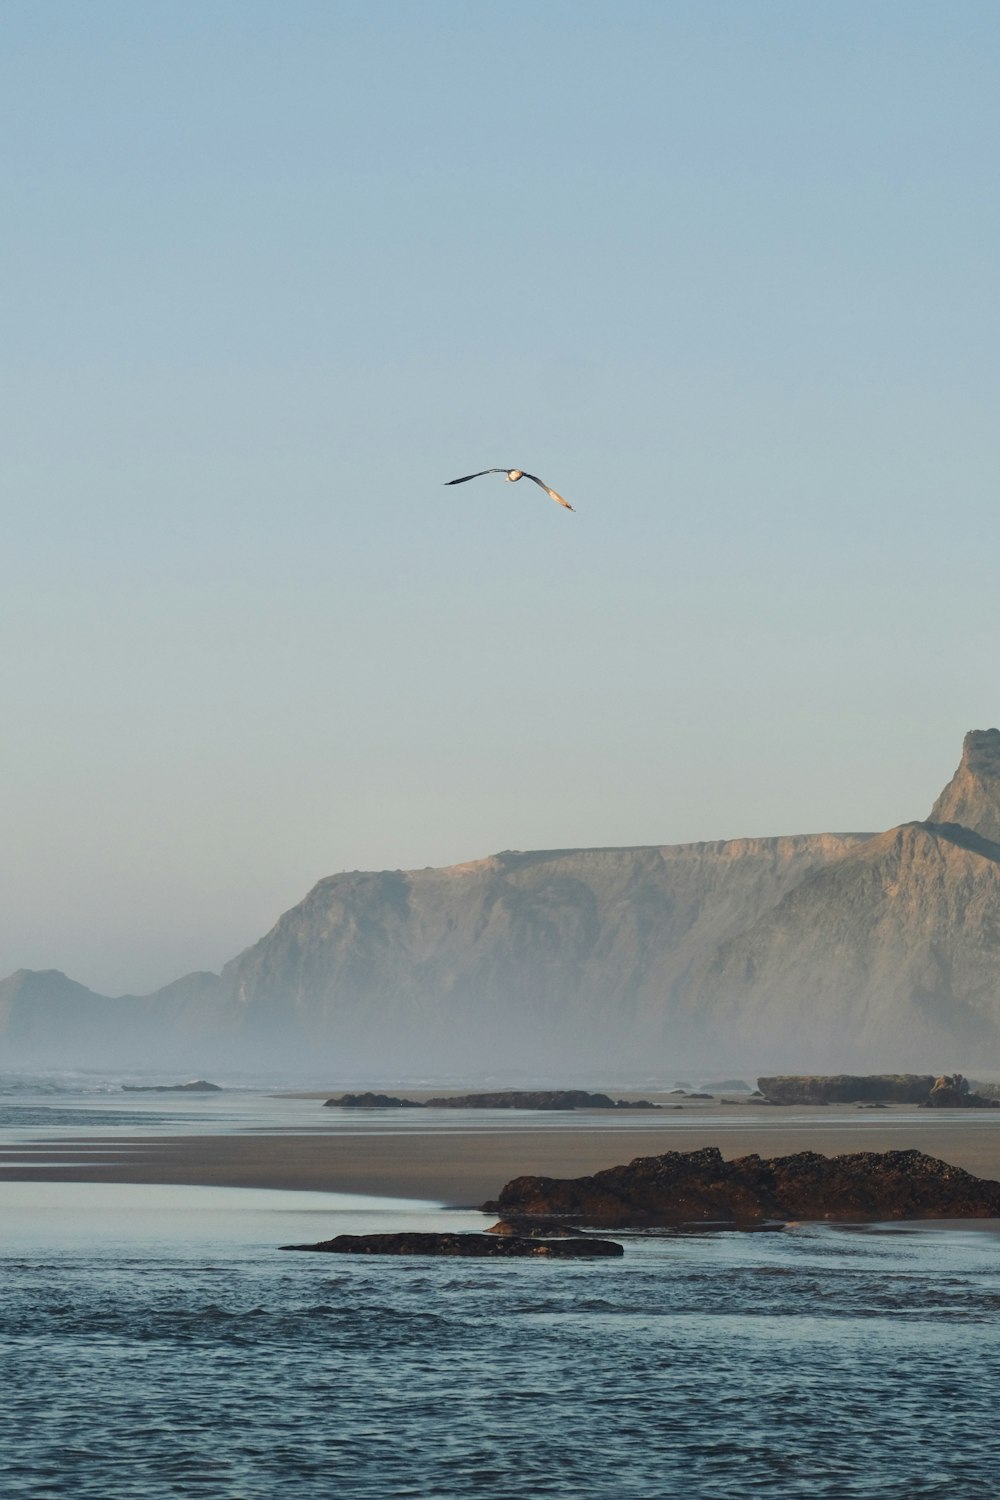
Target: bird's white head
pixel 514 474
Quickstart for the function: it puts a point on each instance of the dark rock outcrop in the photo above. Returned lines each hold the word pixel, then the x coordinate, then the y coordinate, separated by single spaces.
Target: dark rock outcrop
pixel 499 1247
pixel 952 1091
pixel 501 1099
pixel 537 1099
pixel 698 1186
pixel 371 1101
pixel 197 1086
pixel 847 1088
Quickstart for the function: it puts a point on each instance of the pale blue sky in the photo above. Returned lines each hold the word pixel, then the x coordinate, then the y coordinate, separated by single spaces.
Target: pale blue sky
pixel 725 274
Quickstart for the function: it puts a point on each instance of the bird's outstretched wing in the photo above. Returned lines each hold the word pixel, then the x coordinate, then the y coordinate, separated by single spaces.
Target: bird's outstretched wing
pixel 551 493
pixel 477 475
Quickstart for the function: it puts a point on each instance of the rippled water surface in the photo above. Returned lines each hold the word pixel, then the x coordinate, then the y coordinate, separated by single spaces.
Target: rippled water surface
pixel 156 1341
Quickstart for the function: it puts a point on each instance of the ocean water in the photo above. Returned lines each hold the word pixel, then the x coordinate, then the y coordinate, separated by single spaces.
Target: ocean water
pixel 157 1341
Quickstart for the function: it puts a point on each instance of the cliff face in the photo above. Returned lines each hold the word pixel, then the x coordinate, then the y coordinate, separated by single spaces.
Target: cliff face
pixel 554 961
pixel 891 954
pixel 972 796
pixel 828 952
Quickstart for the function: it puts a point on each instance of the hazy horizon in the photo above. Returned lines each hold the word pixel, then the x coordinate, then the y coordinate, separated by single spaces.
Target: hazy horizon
pixel 722 275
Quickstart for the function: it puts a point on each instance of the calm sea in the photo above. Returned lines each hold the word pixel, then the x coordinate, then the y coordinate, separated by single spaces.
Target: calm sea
pixel 155 1341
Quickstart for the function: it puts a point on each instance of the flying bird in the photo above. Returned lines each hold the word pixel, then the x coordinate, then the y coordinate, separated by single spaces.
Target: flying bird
pixel 514 475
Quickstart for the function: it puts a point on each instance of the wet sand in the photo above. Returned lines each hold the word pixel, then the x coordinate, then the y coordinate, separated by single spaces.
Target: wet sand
pixel 461 1163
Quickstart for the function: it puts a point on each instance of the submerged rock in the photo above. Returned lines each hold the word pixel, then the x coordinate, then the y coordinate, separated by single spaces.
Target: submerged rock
pixel 698 1187
pixel 496 1245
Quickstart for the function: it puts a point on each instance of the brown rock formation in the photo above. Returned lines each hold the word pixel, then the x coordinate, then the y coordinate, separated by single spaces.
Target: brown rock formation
pixel 698 1187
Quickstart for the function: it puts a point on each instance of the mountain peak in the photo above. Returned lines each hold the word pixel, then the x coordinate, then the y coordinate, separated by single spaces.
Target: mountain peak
pixel 972 796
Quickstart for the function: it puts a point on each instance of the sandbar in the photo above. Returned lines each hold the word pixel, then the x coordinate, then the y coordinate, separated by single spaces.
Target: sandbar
pixel 463 1164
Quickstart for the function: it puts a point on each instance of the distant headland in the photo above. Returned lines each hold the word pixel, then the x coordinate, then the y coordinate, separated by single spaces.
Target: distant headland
pixel 835 952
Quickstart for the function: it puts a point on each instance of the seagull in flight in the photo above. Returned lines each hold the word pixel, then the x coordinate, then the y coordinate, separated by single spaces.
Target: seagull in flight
pixel 514 475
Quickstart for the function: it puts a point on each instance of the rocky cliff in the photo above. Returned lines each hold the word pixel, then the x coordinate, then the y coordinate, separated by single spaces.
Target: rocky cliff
pixel 972 796
pixel 555 962
pixel 889 955
pixel 826 952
